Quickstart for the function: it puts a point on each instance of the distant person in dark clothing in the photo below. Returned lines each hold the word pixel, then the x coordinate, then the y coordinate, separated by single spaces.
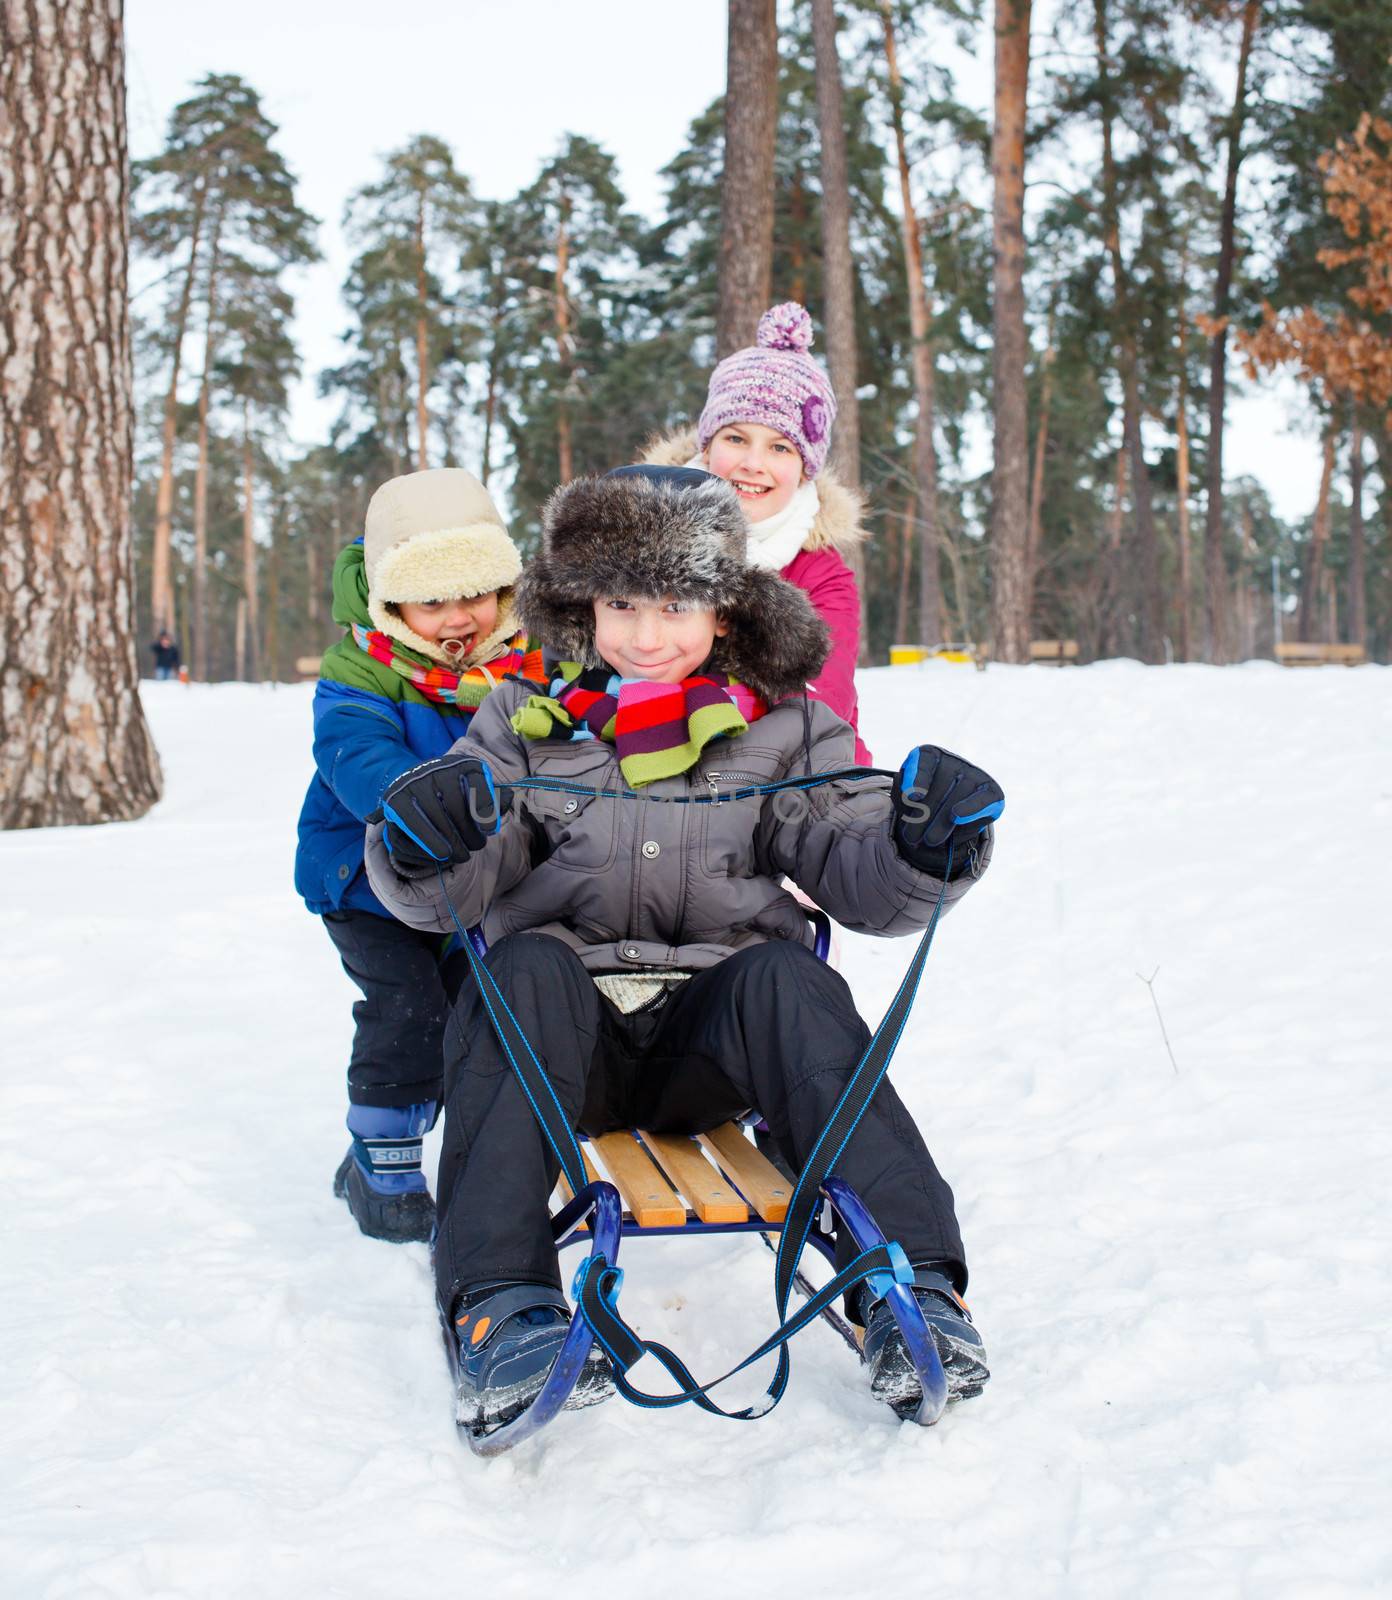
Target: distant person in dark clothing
pixel 166 654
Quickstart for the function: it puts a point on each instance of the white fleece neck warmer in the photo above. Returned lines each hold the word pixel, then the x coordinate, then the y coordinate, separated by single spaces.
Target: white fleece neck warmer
pixel 777 539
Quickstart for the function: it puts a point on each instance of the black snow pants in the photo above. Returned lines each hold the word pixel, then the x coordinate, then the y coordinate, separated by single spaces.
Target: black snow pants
pixel 771 1028
pixel 408 989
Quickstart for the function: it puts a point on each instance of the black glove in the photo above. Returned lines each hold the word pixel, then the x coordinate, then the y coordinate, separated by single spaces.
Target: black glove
pixel 440 812
pixel 941 804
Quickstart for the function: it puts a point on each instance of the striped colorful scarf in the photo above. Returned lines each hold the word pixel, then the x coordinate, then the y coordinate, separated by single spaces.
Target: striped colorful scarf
pixel 658 729
pixel 466 690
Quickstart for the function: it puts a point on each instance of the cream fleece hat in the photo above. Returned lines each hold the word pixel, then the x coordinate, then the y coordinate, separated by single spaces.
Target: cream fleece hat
pixel 437 535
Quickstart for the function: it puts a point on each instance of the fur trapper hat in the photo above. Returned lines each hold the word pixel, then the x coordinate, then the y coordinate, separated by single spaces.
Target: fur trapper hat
pixel 646 532
pixel 437 535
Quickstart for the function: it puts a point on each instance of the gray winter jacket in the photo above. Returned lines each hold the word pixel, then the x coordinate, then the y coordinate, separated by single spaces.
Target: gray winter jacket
pixel 635 884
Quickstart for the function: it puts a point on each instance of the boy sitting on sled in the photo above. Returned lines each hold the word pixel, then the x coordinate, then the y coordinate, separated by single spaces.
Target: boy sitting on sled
pixel 661 970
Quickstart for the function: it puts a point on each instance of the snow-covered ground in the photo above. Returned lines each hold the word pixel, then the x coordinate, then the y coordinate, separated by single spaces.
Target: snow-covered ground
pixel 213 1385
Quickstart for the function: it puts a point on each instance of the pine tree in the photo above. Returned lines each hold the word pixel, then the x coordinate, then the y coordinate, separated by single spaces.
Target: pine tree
pixel 746 210
pixel 217 196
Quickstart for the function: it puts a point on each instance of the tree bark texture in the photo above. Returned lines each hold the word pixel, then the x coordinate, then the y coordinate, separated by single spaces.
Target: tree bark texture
pixel 1215 573
pixel 746 188
pixel 1010 621
pixel 930 597
pixel 1357 583
pixel 74 746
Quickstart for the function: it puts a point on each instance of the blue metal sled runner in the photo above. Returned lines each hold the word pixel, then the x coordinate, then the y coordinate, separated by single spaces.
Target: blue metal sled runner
pixel 737 1190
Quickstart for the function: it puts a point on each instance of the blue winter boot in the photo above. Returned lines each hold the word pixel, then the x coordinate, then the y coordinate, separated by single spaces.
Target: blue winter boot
pixel 503 1342
pixel 893 1376
pixel 381 1177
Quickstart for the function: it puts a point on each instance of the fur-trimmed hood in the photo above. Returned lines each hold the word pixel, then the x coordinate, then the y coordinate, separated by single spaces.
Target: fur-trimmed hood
pixel 838 522
pixel 629 535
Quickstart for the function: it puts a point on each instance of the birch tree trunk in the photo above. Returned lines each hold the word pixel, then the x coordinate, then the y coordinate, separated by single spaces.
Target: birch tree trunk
pixel 746 187
pixel 838 274
pixel 1215 575
pixel 1010 621
pixel 74 747
pixel 161 590
pixel 930 600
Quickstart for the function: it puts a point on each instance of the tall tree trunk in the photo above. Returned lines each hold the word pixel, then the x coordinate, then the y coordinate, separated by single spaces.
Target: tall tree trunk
pixel 422 343
pixel 1041 449
pixel 1215 574
pixel 1357 585
pixel 200 481
pixel 901 611
pixel 746 187
pixel 249 578
pixel 490 406
pixel 1246 595
pixel 838 274
pixel 239 641
pixel 1307 618
pixel 1010 623
pixel 930 601
pixel 74 747
pixel 1149 600
pixel 161 591
pixel 1186 646
pixel 273 574
pixel 797 254
pixel 563 446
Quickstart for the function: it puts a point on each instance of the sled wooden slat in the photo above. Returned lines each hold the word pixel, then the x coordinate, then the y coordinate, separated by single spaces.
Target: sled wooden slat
pixel 707 1191
pixel 752 1173
pixel 644 1190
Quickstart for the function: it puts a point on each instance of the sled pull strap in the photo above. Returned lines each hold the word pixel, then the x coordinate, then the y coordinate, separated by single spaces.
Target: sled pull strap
pixel 596 1289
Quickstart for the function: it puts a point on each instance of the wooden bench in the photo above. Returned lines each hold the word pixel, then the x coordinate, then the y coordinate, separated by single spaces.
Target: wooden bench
pixel 1059 651
pixel 308 666
pixel 1321 655
pixel 669 1180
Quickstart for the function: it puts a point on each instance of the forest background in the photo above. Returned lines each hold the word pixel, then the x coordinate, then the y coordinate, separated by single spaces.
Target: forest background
pixel 549 330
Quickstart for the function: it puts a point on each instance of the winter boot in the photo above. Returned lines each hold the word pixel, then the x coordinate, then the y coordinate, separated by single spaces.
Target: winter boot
pixel 504 1341
pixel 381 1177
pixel 893 1377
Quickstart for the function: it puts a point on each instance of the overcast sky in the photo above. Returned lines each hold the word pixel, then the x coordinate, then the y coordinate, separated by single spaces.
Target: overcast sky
pixel 502 81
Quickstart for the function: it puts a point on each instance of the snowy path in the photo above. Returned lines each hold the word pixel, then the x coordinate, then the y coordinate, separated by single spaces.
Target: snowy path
pixel 213 1386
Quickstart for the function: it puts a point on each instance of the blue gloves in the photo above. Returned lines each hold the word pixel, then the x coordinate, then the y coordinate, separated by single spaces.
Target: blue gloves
pixel 439 813
pixel 941 805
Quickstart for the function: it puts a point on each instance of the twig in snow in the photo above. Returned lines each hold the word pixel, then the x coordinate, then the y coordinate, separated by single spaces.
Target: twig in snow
pixel 1150 984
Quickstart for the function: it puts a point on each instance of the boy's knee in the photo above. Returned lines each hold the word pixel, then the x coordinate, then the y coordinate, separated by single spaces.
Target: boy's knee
pixel 780 964
pixel 534 955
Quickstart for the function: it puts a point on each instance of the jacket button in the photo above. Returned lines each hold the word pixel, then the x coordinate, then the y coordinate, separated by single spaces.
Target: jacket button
pixel 344 870
pixel 631 951
pixel 570 806
pixel 651 848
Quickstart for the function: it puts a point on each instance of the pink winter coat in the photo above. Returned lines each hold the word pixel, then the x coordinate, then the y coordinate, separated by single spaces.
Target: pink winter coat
pixel 820 569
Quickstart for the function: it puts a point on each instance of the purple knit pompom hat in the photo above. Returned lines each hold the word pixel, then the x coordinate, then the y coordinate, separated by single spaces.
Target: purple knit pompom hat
pixel 775 382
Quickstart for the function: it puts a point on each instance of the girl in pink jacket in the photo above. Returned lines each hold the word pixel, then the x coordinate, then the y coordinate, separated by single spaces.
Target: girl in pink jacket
pixel 766 429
